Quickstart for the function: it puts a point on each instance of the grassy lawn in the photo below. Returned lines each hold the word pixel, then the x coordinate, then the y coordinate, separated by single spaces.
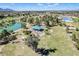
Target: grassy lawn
pixel 76 19
pixel 58 39
pixel 9 50
pixel 17 50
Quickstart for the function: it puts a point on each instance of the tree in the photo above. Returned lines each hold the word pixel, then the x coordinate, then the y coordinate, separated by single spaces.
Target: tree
pixel 13 21
pixel 12 37
pixel 1 24
pixel 24 19
pixel 5 33
pixel 37 21
pixel 31 20
pixel 74 37
pixel 32 41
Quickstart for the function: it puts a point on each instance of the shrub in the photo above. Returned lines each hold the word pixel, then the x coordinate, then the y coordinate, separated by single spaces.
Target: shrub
pixel 77 29
pixel 77 45
pixel 74 37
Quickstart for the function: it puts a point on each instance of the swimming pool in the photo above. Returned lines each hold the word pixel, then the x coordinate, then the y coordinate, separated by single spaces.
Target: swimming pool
pixel 37 27
pixel 67 19
pixel 12 27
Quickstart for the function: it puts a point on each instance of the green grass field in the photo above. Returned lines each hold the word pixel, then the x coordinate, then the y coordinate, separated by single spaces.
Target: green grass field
pixel 76 19
pixel 17 50
pixel 58 39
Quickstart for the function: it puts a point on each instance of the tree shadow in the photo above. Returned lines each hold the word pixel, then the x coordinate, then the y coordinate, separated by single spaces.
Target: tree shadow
pixel 45 52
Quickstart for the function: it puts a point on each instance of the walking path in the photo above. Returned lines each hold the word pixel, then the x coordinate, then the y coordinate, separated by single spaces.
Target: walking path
pixel 69 35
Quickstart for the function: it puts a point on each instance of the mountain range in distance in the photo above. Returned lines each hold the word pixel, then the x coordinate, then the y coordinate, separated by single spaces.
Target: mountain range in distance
pixel 8 9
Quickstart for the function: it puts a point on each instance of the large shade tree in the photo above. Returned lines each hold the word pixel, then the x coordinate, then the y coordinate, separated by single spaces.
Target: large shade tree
pixel 32 41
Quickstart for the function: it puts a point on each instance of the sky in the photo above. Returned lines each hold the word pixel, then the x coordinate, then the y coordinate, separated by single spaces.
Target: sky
pixel 40 6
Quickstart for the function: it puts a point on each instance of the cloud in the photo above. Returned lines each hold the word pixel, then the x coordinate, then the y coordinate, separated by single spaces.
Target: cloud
pixel 7 5
pixel 39 4
pixel 48 4
pixel 4 6
pixel 12 4
pixel 53 4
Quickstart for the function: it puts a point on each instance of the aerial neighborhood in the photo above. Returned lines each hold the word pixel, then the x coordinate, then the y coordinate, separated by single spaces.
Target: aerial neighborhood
pixel 39 33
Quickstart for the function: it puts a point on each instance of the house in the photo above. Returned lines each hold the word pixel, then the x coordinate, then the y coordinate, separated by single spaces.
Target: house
pixel 70 29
